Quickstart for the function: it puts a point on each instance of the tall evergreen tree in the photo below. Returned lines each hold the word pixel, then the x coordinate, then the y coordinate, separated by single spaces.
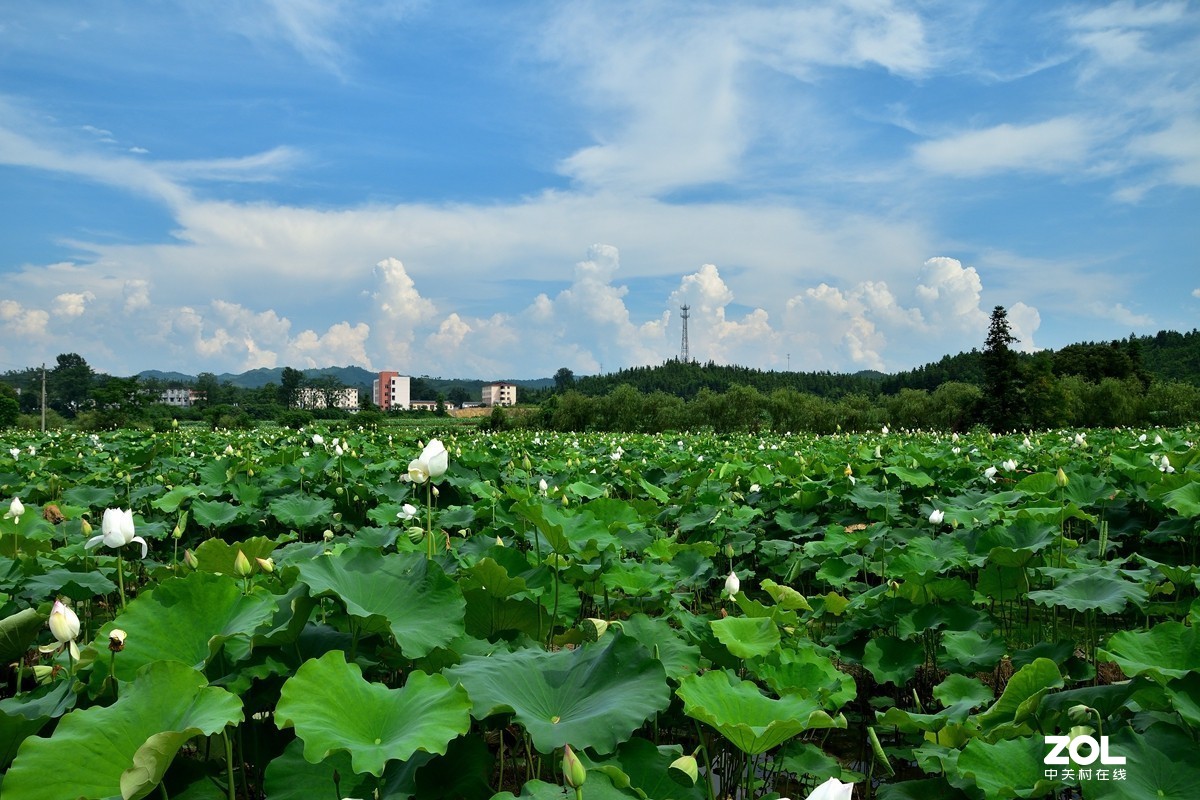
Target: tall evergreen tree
pixel 1001 375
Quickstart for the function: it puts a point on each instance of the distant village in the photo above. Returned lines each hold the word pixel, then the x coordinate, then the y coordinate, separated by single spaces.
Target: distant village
pixel 390 391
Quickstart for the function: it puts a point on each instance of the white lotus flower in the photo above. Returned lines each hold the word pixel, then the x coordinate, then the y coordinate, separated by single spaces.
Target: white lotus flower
pixel 990 474
pixel 318 439
pixel 407 512
pixel 754 487
pixel 936 516
pixel 732 584
pixel 64 625
pixel 430 464
pixel 543 487
pixel 1165 465
pixel 832 789
pixel 1010 465
pixel 118 531
pixel 15 510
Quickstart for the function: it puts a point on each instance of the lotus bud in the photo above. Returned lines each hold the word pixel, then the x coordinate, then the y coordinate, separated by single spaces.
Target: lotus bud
pixel 573 770
pixel 266 564
pixel 327 535
pixel 526 463
pixel 64 624
pixel 732 584
pixel 499 542
pixel 190 559
pixel 1060 478
pixel 936 516
pixel 116 640
pixel 729 549
pixel 242 566
pixel 684 770
pixel 594 628
pixel 85 527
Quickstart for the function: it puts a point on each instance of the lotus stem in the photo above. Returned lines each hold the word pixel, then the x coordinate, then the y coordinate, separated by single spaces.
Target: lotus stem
pixel 231 789
pixel 121 578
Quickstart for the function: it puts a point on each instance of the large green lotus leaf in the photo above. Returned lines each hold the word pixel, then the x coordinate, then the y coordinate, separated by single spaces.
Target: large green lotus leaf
pixel 1168 650
pixel 746 637
pixel 182 619
pixel 26 714
pixel 78 586
pixel 487 615
pixel 912 477
pixel 1185 499
pixel 677 656
pixel 892 659
pixel 214 513
pixel 753 722
pixel 1017 544
pixel 424 609
pixel 217 555
pixel 302 511
pixel 1100 589
pixel 1007 768
pixel 332 707
pixel 971 652
pixel 290 776
pixel 594 696
pixel 463 773
pixel 640 766
pixel 1024 691
pixel 122 750
pixel 807 672
pixel 1160 764
pixel 920 790
pixel 90 496
pixel 18 632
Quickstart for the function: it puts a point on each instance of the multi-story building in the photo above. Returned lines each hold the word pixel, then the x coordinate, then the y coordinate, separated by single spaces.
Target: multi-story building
pixel 391 390
pixel 500 394
pixel 345 398
pixel 180 397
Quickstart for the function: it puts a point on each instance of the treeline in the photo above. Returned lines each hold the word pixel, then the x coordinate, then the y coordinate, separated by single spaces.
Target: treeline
pixel 1069 401
pixel 1088 384
pixel 77 395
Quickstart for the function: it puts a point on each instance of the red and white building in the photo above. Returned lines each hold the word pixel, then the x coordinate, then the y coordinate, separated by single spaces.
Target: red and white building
pixel 392 390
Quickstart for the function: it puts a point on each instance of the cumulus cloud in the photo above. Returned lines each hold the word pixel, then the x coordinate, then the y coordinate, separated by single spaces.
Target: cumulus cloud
pixel 1196 293
pixel 868 326
pixel 72 304
pixel 20 321
pixel 400 310
pixel 713 335
pixel 1023 322
pixel 137 295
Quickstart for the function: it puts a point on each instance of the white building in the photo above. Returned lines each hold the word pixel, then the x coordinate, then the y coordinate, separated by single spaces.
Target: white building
pixel 180 398
pixel 391 390
pixel 500 394
pixel 345 398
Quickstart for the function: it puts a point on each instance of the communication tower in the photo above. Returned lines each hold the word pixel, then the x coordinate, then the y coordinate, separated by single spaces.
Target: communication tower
pixel 683 347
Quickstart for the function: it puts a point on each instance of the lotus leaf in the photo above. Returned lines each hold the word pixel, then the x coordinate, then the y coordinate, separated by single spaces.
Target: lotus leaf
pixel 123 749
pixel 333 708
pixel 423 608
pixel 184 620
pixel 594 696
pixel 753 722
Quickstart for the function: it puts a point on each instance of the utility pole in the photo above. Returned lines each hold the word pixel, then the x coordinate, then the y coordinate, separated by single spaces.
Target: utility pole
pixel 43 397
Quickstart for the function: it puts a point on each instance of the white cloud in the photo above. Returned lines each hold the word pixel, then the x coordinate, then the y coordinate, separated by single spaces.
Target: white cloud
pixel 1023 322
pixel 20 321
pixel 1196 293
pixel 137 295
pixel 712 334
pixel 1051 146
pixel 72 304
pixel 1118 313
pixel 400 310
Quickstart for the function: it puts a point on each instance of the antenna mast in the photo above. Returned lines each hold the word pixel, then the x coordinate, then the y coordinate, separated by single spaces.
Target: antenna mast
pixel 683 348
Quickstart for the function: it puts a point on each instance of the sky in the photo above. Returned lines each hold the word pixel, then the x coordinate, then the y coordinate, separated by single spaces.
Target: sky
pixel 498 190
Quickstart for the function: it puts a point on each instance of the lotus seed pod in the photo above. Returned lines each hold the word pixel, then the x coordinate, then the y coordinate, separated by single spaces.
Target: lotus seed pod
pixel 594 628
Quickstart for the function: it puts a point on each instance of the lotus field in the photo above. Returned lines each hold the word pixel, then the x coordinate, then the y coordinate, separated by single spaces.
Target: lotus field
pixel 350 613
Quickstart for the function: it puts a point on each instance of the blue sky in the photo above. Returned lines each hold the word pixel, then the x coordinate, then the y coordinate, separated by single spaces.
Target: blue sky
pixel 502 189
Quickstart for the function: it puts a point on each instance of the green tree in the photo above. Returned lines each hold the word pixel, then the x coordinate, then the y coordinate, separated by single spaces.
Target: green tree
pixel 1001 375
pixel 563 379
pixel 69 383
pixel 289 386
pixel 10 409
